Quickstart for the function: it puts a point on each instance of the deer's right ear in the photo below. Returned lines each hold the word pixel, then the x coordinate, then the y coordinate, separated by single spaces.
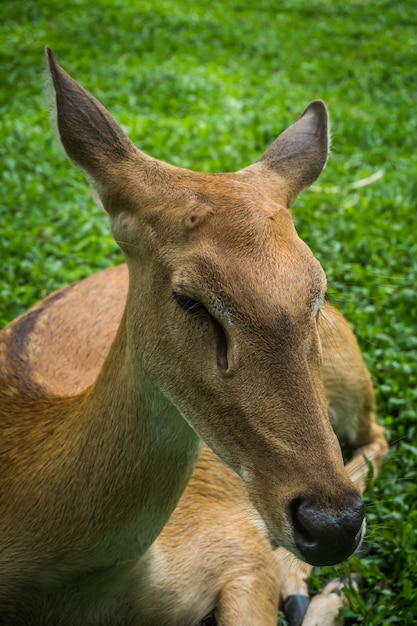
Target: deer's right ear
pixel 91 138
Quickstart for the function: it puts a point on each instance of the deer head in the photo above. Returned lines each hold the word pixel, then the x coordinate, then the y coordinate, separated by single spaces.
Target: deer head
pixel 222 310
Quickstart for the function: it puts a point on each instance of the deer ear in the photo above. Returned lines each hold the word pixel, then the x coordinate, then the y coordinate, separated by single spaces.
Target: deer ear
pixel 299 154
pixel 92 139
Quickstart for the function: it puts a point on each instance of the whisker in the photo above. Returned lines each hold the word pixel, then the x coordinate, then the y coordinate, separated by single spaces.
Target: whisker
pixel 127 243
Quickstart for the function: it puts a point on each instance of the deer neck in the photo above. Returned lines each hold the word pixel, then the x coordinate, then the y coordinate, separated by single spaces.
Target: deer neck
pixel 147 448
pixel 105 471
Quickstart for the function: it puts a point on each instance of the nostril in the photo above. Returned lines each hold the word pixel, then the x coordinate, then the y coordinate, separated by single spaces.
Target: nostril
pixel 300 528
pixel 323 537
pixel 358 513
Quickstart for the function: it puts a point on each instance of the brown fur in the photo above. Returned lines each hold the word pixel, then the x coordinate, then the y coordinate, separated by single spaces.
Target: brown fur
pixel 214 552
pixel 92 474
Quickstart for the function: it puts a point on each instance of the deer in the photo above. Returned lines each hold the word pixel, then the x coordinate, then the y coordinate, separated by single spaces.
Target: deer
pixel 218 342
pixel 214 555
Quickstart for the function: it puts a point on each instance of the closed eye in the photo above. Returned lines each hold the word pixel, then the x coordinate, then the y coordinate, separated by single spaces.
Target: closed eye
pixel 198 310
pixel 191 306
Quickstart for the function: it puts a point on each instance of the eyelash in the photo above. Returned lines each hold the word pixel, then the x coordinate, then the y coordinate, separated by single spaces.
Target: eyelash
pixel 191 306
pixel 319 305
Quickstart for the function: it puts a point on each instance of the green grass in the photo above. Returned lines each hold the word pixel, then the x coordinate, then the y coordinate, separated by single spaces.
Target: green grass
pixel 208 86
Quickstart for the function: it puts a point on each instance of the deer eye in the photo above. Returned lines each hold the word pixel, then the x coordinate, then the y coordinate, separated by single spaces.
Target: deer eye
pixel 191 306
pixel 196 309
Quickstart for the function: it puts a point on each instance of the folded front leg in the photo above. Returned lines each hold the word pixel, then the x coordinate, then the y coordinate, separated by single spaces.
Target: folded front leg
pixel 324 608
pixel 249 601
pixel 292 574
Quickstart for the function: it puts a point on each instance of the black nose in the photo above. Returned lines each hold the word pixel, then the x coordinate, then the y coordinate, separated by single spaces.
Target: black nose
pixel 324 537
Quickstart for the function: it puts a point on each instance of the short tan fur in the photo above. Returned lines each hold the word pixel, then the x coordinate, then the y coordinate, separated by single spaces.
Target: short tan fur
pixel 218 342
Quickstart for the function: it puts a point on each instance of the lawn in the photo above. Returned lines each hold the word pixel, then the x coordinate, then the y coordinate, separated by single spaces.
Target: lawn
pixel 209 86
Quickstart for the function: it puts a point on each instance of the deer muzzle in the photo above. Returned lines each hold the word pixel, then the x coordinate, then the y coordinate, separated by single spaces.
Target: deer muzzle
pixel 323 537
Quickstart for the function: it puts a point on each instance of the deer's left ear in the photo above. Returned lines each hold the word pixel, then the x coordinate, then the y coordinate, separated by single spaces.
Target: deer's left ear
pixel 299 154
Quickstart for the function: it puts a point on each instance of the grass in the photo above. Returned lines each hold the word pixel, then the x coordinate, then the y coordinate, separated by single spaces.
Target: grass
pixel 209 86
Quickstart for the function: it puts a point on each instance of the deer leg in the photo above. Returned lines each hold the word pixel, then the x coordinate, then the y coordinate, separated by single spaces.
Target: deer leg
pixel 292 574
pixel 324 608
pixel 372 448
pixel 251 600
